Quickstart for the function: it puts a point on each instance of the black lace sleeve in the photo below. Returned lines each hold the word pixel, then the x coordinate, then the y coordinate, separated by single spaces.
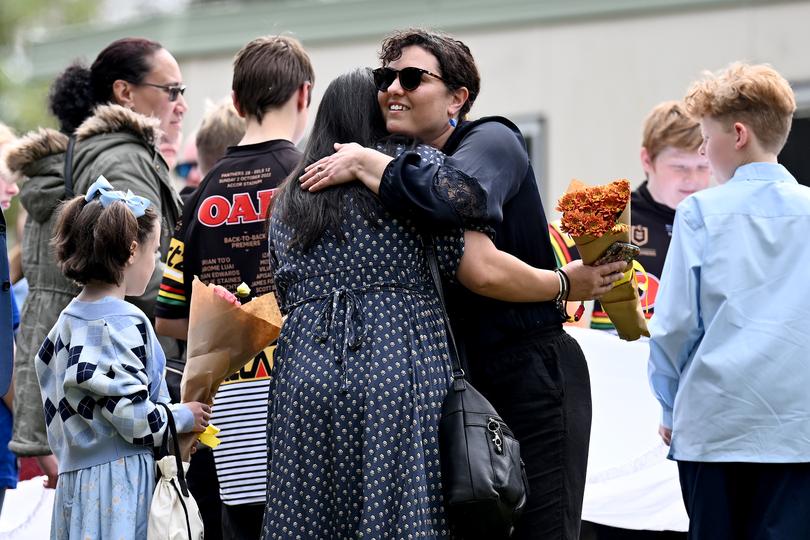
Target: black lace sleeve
pixel 461 192
pixel 436 195
pixel 468 189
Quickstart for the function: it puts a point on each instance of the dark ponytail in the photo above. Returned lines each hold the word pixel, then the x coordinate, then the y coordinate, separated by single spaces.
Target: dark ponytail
pixel 76 91
pixel 71 98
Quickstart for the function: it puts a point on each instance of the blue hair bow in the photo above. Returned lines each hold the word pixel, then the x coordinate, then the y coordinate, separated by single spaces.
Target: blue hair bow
pixel 107 195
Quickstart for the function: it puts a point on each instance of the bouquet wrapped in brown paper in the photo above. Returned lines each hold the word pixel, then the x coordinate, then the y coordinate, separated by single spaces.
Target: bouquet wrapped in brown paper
pixel 596 217
pixel 222 338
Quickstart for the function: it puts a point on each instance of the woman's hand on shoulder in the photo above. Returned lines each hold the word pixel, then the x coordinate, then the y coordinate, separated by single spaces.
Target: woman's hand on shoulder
pixel 589 282
pixel 339 168
pixel 350 162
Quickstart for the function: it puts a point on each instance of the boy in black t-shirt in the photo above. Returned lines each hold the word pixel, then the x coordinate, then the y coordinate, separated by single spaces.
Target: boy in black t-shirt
pixel 222 239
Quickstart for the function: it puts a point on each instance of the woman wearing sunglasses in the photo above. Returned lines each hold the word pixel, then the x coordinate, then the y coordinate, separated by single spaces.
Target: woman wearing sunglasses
pixel 114 111
pixel 520 358
pixel 361 369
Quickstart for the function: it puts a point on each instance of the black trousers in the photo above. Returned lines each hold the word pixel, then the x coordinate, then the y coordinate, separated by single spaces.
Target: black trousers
pixel 746 501
pixel 204 487
pixel 541 387
pixel 242 521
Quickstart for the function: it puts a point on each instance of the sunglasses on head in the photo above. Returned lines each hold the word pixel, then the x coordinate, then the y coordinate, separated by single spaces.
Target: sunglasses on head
pixel 184 169
pixel 174 91
pixel 409 78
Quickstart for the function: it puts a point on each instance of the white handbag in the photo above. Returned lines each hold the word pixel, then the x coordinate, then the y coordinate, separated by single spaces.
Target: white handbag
pixel 174 514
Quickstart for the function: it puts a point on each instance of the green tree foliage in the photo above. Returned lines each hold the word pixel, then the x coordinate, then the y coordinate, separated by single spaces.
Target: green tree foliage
pixel 23 100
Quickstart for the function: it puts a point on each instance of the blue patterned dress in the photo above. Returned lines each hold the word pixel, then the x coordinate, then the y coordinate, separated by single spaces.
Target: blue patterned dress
pixel 360 373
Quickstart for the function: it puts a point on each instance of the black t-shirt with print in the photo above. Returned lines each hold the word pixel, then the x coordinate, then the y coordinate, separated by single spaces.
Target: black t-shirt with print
pixel 222 237
pixel 651 229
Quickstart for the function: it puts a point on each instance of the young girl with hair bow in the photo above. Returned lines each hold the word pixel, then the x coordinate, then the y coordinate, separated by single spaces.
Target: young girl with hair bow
pixel 101 369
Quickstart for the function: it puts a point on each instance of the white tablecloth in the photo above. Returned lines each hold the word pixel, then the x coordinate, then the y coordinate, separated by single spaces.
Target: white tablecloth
pixel 630 483
pixel 27 511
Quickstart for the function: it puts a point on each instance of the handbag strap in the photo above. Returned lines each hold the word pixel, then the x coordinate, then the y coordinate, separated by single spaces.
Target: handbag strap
pixel 181 473
pixel 455 358
pixel 68 171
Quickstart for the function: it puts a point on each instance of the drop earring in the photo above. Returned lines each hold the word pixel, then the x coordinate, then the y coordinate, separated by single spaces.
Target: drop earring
pixel 453 122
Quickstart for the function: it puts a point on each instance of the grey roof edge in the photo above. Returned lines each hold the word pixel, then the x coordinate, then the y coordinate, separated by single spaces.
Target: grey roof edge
pixel 223 28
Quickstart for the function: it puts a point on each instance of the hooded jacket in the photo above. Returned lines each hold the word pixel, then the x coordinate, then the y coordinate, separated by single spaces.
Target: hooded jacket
pixel 121 145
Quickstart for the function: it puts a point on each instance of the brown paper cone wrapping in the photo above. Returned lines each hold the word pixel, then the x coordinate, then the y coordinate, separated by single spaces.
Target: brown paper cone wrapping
pixel 222 338
pixel 622 303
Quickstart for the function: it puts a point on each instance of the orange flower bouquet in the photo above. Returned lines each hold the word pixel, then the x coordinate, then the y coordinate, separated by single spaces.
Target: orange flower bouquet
pixel 596 217
pixel 223 336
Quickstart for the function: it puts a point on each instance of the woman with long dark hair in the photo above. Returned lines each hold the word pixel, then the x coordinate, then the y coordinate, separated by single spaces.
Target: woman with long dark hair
pixel 343 112
pixel 520 357
pixel 362 367
pixel 115 111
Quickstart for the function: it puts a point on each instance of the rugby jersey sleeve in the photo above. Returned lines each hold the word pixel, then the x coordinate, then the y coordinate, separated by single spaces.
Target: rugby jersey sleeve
pixel 174 296
pixel 565 250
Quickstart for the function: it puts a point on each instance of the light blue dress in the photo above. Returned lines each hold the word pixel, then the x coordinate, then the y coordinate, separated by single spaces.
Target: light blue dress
pixel 105 502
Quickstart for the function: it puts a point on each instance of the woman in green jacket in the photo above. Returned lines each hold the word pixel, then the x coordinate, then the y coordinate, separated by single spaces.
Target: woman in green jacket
pixel 116 111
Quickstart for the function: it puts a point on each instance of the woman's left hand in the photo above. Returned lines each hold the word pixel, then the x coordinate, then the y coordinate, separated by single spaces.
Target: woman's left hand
pixel 339 168
pixel 590 282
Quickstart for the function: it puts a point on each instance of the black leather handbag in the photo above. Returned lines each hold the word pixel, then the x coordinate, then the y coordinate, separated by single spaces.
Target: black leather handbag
pixel 483 478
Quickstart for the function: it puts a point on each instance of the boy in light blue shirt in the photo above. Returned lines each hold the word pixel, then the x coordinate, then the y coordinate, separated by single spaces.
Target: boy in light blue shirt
pixel 730 339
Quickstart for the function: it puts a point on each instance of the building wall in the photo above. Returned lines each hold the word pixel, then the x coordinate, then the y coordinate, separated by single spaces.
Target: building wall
pixel 592 82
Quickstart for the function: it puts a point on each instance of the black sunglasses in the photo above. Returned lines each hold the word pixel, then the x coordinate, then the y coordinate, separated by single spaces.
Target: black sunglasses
pixel 173 90
pixel 409 78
